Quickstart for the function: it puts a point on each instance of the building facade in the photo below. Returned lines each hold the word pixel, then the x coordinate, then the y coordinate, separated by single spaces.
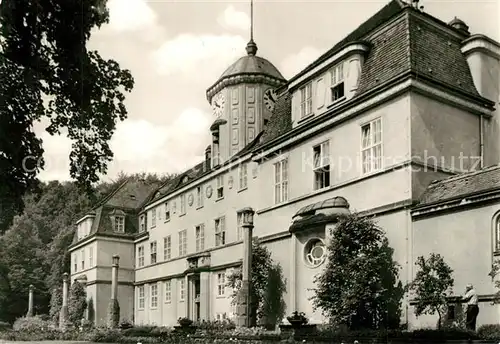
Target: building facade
pixel 382 124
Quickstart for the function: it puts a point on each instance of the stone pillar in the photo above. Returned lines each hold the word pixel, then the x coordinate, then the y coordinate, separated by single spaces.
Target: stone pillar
pixel 30 301
pixel 114 307
pixel 244 300
pixel 63 315
pixel 205 295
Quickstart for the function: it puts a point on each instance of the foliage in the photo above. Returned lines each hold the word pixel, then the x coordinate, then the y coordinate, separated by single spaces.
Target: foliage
pixel 491 331
pixel 432 285
pixel 495 270
pixel 216 326
pixel 297 317
pixel 261 265
pixel 55 304
pixel 359 286
pixel 4 326
pixel 185 321
pixel 31 324
pixel 77 303
pixel 274 305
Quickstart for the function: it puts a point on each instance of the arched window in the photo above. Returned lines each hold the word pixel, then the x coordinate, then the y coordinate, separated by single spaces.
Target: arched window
pixel 496 233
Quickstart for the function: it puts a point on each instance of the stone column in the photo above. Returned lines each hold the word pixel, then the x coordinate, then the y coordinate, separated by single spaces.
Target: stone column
pixel 63 315
pixel 205 295
pixel 30 301
pixel 244 300
pixel 114 307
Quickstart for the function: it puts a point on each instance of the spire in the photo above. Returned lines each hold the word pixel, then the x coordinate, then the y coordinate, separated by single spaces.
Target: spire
pixel 251 46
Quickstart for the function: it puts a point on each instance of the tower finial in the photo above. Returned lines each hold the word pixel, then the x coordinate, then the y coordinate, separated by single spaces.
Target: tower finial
pixel 251 46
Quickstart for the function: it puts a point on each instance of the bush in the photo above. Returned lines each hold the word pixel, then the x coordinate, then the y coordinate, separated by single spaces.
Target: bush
pixel 32 324
pixel 216 326
pixel 489 331
pixel 4 326
pixel 139 331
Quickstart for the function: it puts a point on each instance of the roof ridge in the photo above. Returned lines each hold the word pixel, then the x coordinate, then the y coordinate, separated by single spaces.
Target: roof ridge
pixel 464 175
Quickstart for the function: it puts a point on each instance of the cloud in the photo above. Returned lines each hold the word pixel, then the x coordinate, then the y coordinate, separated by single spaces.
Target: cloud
pixel 198 56
pixel 231 18
pixel 130 15
pixel 295 63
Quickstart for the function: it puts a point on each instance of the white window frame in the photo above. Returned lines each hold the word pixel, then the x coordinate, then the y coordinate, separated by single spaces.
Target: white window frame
pixel 154 296
pixel 83 259
pixel 321 165
pixel 200 237
pixel 75 261
pixel 183 205
pixel 120 224
pixel 167 211
pixel 337 82
pixel 141 297
pixel 371 145
pixel 91 257
pixel 168 291
pixel 220 187
pixel 183 242
pixel 221 284
pixel 281 181
pixel 153 218
pixel 153 254
pixel 142 223
pixel 239 234
pixel 167 247
pixel 220 231
pixel 182 289
pixel 199 197
pixel 243 174
pixel 140 256
pixel 306 100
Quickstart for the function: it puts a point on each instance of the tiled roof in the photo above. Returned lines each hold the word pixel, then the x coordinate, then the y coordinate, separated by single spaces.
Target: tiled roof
pixel 252 65
pixel 461 186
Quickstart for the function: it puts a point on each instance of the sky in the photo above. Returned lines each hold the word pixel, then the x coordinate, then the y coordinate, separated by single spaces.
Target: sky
pixel 177 49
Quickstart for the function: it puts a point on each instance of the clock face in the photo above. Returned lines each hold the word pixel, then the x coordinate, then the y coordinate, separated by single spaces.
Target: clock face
pixel 218 104
pixel 270 99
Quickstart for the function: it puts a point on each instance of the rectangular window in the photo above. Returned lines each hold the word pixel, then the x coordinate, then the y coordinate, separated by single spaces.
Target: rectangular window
pixel 306 100
pixel 167 211
pixel 281 181
pixel 220 187
pixel 140 256
pixel 239 235
pixel 141 297
pixel 75 262
pixel 199 197
pixel 167 248
pixel 182 289
pixel 183 242
pixel 371 146
pixel 91 257
pixel 221 284
pixel 337 86
pixel 153 252
pixel 154 295
pixel 183 204
pixel 142 223
pixel 321 167
pixel 243 176
pixel 83 259
pixel 153 218
pixel 220 231
pixel 168 291
pixel 200 237
pixel 120 224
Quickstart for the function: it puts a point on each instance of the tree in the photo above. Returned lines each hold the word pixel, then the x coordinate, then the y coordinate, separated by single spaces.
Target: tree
pixel 47 73
pixel 261 265
pixel 274 305
pixel 432 285
pixel 359 286
pixel 77 303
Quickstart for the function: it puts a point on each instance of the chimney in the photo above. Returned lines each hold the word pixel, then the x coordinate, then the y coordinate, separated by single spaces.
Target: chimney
pixel 208 158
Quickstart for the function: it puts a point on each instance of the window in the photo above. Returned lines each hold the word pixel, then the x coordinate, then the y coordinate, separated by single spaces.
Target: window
pixel 83 259
pixel 183 242
pixel 321 165
pixel 220 187
pixel 221 284
pixel 141 297
pixel 153 218
pixel 183 204
pixel 153 252
pixel 167 211
pixel 314 252
pixel 140 256
pixel 220 231
pixel 182 289
pixel 142 223
pixel 371 146
pixel 91 257
pixel 243 176
pixel 337 82
pixel 239 235
pixel 120 224
pixel 75 263
pixel 168 291
pixel 154 295
pixel 281 181
pixel 199 197
pixel 167 248
pixel 306 100
pixel 497 234
pixel 200 237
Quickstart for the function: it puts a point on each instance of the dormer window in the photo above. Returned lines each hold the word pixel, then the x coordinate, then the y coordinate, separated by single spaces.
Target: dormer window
pixel 120 224
pixel 142 223
pixel 306 100
pixel 337 86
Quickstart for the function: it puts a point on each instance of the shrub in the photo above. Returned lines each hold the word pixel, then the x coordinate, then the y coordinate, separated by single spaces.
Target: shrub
pixel 4 326
pixel 489 332
pixel 31 324
pixel 139 331
pixel 77 303
pixel 274 305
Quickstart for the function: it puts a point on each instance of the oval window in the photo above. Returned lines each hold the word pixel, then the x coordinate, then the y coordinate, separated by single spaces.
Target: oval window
pixel 315 252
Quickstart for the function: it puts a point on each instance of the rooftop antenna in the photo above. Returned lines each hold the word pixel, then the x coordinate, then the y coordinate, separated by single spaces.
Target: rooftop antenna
pixel 251 46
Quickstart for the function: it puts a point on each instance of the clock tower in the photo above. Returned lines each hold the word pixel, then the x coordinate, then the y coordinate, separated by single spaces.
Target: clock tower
pixel 242 100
